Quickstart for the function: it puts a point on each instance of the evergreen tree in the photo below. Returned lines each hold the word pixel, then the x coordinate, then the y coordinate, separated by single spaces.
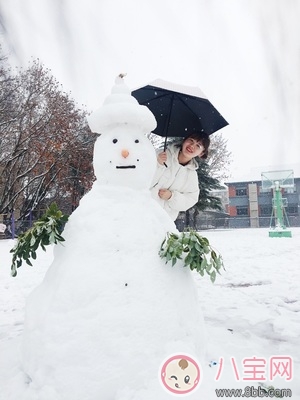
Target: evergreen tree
pixel 206 199
pixel 207 184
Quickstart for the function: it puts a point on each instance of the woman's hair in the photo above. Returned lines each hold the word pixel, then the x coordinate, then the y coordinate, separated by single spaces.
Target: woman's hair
pixel 200 137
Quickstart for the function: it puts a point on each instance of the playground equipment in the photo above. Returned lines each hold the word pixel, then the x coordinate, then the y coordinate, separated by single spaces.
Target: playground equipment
pixel 277 181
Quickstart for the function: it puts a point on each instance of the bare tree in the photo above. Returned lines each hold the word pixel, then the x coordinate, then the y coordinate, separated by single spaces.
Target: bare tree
pixel 46 144
pixel 219 157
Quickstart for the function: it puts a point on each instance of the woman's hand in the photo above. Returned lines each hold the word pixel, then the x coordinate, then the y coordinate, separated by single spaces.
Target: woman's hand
pixel 165 194
pixel 162 157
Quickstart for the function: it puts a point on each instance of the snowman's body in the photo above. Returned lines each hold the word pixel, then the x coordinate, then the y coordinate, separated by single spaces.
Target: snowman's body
pixel 109 310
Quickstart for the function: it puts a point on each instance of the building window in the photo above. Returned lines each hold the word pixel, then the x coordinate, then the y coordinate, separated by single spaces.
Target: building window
pixel 266 210
pixel 292 210
pixel 242 211
pixel 289 190
pixel 241 192
pixel 264 190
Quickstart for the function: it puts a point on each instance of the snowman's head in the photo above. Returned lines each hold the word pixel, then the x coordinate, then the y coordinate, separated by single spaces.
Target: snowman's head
pixel 123 155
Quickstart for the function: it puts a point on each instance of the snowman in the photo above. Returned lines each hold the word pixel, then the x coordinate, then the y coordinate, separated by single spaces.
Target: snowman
pixel 110 310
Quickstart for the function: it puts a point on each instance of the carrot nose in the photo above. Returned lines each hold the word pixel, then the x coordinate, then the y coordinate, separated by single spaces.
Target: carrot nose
pixel 125 153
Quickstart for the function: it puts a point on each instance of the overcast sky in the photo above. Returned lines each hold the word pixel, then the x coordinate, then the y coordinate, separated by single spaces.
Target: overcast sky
pixel 244 54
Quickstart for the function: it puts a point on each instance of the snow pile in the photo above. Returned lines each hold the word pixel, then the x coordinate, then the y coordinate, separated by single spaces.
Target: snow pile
pixel 251 310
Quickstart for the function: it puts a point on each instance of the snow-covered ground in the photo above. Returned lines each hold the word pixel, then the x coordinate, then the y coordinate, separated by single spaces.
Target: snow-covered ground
pixel 252 310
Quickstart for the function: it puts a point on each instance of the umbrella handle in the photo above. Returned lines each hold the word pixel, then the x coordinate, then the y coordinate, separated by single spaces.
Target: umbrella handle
pixel 165 147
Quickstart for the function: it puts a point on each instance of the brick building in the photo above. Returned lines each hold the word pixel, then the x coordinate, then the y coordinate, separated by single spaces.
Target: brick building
pixel 250 205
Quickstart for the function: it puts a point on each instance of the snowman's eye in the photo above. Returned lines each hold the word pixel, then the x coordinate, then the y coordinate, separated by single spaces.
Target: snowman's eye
pixel 115 141
pixel 136 141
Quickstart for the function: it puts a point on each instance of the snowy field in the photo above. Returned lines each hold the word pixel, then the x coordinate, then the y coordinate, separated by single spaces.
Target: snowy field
pixel 252 310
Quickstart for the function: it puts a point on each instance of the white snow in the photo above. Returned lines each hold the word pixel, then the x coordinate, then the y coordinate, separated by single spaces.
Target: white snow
pixel 251 310
pixel 105 311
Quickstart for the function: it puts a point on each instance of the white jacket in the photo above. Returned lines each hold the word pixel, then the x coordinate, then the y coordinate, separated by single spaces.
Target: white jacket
pixel 181 180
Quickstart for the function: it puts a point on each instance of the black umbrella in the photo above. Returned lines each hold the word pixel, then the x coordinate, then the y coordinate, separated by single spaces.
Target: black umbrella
pixel 179 110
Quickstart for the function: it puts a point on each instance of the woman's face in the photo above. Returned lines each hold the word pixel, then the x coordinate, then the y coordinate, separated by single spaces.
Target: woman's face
pixel 192 148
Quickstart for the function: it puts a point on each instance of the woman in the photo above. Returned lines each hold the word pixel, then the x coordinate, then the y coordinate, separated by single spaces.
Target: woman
pixel 175 183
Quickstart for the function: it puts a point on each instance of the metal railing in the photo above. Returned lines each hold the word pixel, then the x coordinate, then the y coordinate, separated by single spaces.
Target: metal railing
pixel 16 227
pixel 232 223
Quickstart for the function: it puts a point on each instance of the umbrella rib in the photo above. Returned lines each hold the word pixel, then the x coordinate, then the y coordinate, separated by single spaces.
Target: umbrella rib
pixel 187 106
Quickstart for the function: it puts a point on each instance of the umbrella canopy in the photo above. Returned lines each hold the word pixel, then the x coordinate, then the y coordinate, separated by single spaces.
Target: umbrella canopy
pixel 179 110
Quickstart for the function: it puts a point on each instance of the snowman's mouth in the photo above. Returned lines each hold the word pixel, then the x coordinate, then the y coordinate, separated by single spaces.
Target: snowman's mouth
pixel 125 166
